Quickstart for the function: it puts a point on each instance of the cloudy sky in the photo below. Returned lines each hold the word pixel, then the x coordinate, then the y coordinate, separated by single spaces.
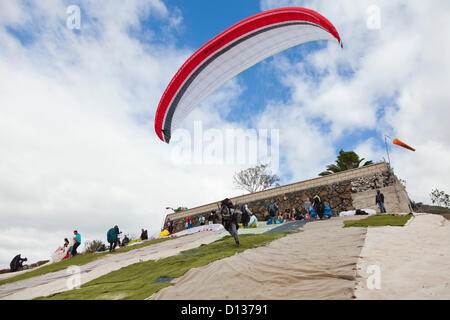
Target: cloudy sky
pixel 78 148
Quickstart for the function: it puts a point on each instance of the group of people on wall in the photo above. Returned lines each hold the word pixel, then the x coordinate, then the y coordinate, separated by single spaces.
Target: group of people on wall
pixel 230 216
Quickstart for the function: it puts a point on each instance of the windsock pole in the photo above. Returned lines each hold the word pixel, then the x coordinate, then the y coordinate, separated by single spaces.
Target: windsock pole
pixel 387 149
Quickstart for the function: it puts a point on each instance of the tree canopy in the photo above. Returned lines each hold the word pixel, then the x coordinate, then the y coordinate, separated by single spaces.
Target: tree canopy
pixel 255 179
pixel 346 160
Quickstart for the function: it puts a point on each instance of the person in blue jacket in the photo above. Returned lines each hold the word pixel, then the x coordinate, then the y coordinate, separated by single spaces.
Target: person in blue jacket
pixel 77 239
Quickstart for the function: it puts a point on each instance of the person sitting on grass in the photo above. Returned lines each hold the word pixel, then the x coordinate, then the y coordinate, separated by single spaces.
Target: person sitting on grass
pixel 279 219
pixel 125 241
pixel 17 263
pixel 287 214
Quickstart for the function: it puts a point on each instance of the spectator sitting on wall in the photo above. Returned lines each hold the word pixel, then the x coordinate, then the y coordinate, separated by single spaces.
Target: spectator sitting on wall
pixel 287 214
pixel 201 220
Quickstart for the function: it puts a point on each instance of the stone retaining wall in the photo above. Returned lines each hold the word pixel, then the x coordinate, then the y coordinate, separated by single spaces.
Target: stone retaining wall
pixel 348 190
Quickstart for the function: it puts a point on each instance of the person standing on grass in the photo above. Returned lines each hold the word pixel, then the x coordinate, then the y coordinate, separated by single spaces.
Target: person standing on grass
pixel 379 200
pixel 319 207
pixel 144 235
pixel 246 214
pixel 112 237
pixel 77 239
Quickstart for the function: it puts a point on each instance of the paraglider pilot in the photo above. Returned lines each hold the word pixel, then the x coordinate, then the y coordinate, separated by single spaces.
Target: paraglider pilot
pixel 229 219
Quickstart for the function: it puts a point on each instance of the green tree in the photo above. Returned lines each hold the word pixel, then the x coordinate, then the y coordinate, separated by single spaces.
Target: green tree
pixel 440 198
pixel 346 160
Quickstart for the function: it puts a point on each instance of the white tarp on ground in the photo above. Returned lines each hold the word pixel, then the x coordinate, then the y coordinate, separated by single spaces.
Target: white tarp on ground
pixel 370 212
pixel 412 261
pixel 318 263
pixel 209 227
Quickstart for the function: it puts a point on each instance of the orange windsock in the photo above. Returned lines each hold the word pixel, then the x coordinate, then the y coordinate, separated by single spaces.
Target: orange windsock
pixel 404 145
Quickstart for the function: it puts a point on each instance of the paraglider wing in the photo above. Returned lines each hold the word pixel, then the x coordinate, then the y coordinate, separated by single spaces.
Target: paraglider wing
pixel 233 51
pixel 402 144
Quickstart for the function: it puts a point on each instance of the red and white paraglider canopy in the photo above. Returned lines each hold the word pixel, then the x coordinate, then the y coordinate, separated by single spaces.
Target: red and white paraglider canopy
pixel 234 50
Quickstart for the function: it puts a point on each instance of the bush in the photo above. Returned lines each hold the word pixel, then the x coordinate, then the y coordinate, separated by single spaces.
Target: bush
pixel 92 246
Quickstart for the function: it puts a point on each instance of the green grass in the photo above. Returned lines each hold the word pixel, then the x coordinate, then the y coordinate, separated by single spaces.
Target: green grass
pixel 135 282
pixel 78 260
pixel 379 220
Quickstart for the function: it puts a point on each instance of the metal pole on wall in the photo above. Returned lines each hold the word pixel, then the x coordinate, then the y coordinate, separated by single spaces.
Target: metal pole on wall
pixel 387 149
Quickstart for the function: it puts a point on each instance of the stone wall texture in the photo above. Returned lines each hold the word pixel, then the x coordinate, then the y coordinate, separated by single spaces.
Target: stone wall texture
pixel 343 191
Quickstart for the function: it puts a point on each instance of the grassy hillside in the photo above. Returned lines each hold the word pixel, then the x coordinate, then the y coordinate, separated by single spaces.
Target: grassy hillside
pixel 140 280
pixel 379 221
pixel 78 260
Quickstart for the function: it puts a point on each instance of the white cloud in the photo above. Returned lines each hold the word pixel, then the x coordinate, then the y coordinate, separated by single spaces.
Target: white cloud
pixel 404 64
pixel 76 129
